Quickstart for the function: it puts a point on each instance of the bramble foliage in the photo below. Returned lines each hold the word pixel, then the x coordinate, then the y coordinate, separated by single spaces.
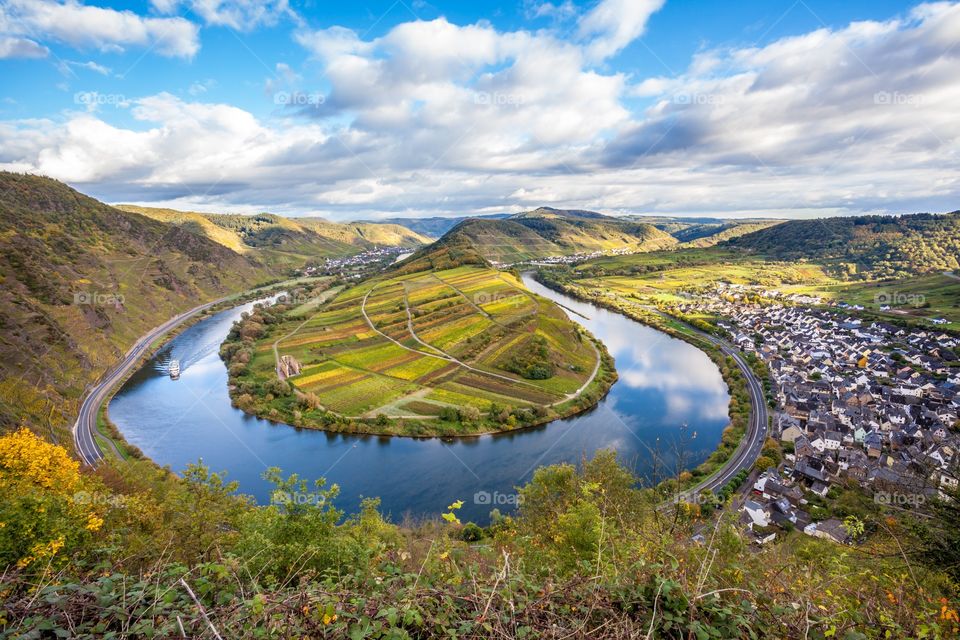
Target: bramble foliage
pixel 589 554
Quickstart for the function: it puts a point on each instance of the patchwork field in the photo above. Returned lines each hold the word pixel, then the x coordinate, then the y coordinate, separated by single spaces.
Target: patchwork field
pixel 669 277
pixel 465 350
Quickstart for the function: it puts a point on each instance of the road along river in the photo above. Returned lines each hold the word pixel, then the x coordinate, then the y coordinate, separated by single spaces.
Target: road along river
pixel 664 384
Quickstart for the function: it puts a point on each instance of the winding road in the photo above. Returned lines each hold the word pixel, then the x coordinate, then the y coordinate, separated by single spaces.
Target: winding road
pixel 750 446
pixel 86 424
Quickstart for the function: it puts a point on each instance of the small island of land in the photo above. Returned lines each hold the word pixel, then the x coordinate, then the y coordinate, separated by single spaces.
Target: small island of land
pixel 438 347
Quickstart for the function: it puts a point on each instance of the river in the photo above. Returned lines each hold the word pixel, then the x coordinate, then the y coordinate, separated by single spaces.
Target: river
pixel 668 392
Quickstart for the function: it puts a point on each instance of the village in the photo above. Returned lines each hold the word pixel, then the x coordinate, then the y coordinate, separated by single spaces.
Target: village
pixel 357 266
pixel 858 404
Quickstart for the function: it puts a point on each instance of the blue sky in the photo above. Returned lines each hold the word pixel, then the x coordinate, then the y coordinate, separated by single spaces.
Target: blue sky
pixel 413 108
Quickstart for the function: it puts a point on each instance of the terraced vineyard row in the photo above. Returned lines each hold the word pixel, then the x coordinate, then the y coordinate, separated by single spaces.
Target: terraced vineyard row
pixel 419 328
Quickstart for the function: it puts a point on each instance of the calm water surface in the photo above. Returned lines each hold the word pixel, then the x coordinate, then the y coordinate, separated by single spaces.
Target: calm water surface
pixel 664 384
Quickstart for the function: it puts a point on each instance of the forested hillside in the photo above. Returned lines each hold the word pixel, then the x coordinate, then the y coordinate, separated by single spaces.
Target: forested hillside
pixel 81 281
pixel 548 232
pixel 876 246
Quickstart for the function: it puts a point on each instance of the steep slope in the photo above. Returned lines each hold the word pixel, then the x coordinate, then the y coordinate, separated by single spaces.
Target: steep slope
pixel 878 246
pixel 287 242
pixel 366 235
pixel 82 280
pixel 548 232
pixel 452 250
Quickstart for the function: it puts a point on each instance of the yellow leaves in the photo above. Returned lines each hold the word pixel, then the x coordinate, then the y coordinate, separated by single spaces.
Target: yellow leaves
pixel 947 614
pixel 94 522
pixel 42 551
pixel 327 618
pixel 451 516
pixel 24 457
pixel 47 501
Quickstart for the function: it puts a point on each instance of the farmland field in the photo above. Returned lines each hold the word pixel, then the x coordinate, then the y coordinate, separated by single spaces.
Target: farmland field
pixel 458 351
pixel 666 279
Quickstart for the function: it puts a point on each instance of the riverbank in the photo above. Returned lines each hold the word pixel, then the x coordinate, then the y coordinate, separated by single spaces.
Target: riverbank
pixel 733 445
pixel 93 426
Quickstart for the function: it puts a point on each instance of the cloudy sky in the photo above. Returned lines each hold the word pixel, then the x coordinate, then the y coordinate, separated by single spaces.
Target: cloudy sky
pixel 407 107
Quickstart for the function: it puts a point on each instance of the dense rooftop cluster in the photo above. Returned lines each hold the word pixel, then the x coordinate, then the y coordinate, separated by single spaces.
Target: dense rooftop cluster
pixel 857 401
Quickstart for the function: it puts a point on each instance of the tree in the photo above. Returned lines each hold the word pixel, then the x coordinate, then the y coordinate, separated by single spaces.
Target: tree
pixel 47 508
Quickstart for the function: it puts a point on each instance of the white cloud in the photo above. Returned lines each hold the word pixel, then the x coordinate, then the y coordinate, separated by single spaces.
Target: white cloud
pixel 439 118
pixel 559 11
pixel 83 26
pixel 67 66
pixel 13 47
pixel 613 24
pixel 199 88
pixel 242 15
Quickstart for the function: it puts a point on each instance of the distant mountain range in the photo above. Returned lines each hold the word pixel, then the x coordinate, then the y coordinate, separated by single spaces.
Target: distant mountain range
pixel 437 226
pixel 704 231
pixel 282 241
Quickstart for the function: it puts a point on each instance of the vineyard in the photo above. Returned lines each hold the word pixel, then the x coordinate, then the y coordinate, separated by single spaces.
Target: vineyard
pixel 463 350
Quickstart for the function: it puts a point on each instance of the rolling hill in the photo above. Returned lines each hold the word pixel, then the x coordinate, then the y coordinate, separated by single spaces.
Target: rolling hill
pixel 547 232
pixel 82 280
pixel 874 246
pixel 281 241
pixel 706 230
